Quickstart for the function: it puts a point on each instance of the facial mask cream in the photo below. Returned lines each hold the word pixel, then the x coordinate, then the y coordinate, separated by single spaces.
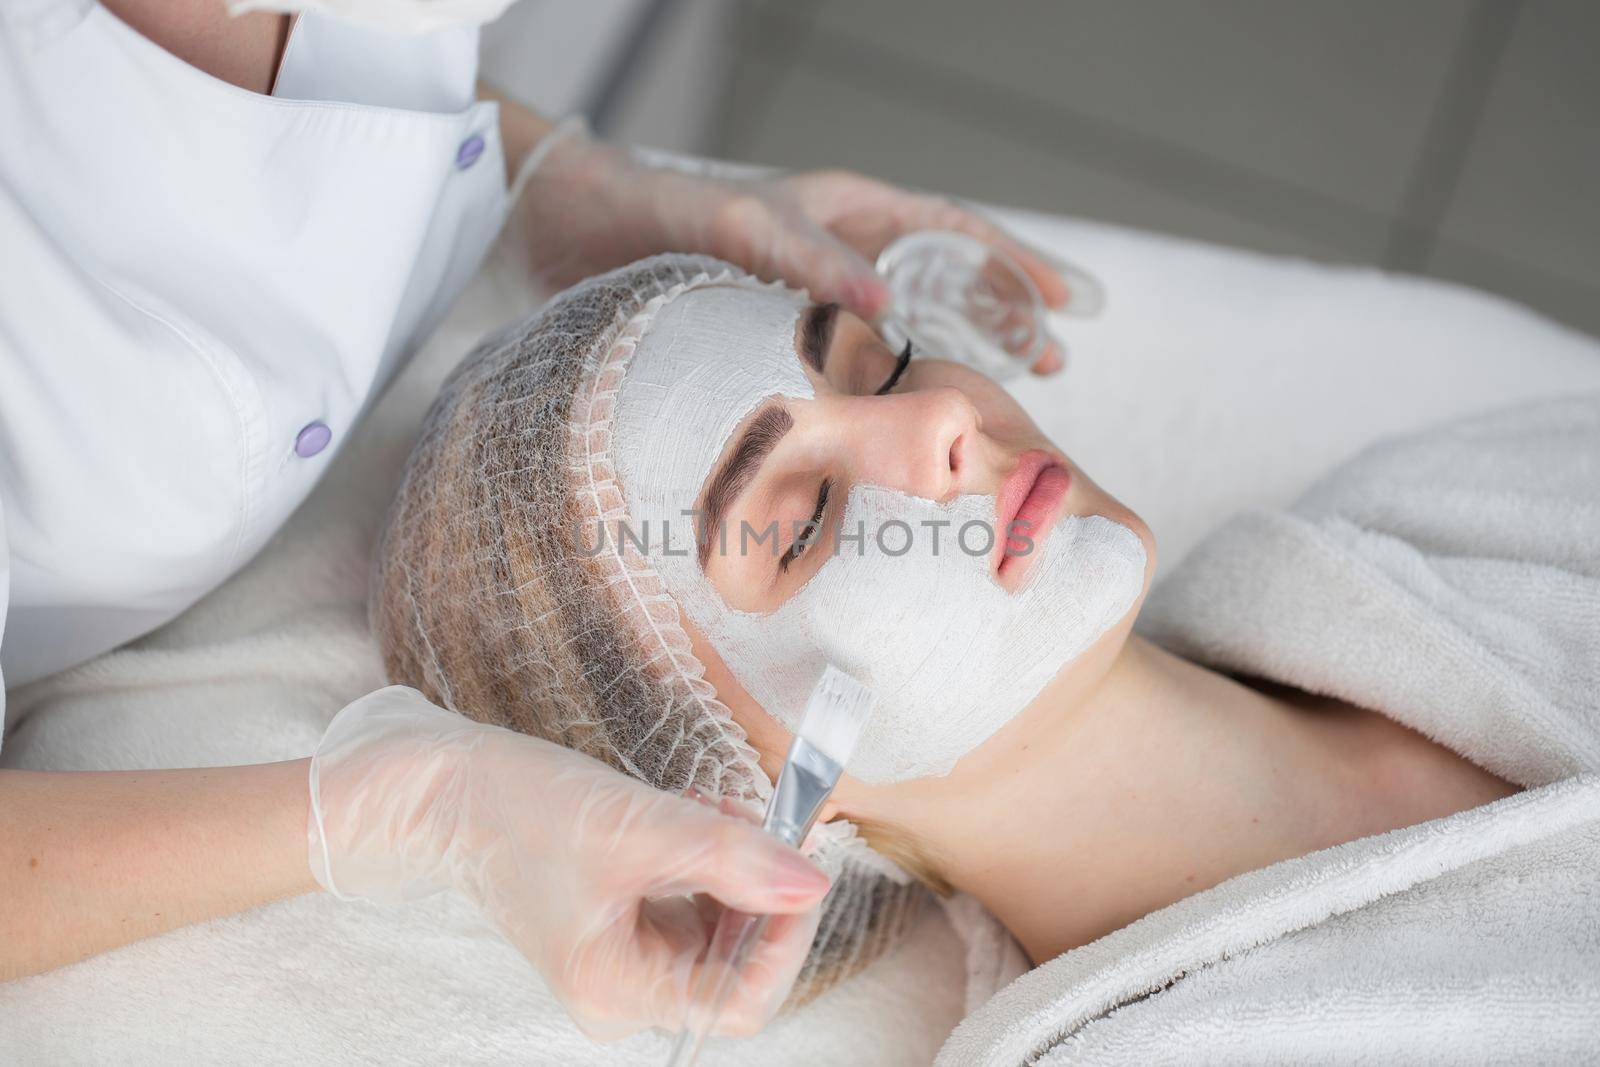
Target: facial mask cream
pixel 907 604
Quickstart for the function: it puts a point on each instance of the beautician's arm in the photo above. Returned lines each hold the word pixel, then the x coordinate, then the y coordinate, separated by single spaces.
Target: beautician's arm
pixel 520 127
pixel 588 207
pixel 588 873
pixel 90 860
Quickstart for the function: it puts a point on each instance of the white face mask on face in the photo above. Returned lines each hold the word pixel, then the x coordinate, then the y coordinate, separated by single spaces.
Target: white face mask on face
pixel 907 604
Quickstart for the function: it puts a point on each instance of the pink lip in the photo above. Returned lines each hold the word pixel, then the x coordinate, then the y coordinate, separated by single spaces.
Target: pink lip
pixel 1030 497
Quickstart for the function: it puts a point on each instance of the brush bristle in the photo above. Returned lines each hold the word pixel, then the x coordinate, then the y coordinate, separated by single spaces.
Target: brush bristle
pixel 839 707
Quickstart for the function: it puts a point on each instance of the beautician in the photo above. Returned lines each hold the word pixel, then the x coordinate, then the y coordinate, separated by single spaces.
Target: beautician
pixel 220 236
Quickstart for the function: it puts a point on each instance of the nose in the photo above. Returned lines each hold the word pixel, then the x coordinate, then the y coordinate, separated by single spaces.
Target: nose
pixel 915 442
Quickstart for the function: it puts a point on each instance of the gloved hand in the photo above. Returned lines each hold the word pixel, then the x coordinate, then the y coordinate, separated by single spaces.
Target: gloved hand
pixel 582 207
pixel 584 870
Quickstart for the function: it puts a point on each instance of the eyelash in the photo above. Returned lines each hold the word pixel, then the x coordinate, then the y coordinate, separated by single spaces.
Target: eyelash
pixel 899 369
pixel 812 528
pixel 814 525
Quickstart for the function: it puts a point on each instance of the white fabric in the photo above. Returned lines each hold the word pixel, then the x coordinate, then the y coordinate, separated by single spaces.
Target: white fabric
pixel 993 956
pixel 1449 578
pixel 1203 353
pixel 895 604
pixel 1452 580
pixel 194 274
pixel 392 16
pixel 333 61
pixel 1469 940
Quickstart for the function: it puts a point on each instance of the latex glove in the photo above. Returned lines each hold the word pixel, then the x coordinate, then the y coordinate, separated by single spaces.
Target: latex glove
pixel 587 872
pixel 581 207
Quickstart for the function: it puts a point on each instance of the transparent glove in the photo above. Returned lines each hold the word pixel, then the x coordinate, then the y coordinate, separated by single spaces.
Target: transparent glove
pixel 587 872
pixel 581 207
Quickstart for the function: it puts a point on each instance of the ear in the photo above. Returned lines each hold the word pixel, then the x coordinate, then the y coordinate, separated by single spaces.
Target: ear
pixel 851 799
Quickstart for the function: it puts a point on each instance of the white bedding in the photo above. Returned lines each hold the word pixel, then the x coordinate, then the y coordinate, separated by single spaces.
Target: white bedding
pixel 1215 380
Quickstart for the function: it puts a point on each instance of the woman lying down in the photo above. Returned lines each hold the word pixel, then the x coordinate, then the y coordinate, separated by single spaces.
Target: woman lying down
pixel 640 524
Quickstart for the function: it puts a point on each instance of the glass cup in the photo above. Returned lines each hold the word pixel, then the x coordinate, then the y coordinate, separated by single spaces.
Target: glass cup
pixel 958 298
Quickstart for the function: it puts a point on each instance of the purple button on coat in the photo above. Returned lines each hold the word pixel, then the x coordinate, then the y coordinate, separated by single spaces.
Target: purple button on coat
pixel 313 439
pixel 469 152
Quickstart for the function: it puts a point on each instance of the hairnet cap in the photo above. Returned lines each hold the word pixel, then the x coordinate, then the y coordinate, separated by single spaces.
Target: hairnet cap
pixel 494 595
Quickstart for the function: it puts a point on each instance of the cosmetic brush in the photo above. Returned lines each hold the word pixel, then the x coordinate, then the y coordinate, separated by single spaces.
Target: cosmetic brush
pixel 839 707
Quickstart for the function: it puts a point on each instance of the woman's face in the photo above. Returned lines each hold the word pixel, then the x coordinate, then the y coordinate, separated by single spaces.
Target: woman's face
pixel 936 430
pixel 902 519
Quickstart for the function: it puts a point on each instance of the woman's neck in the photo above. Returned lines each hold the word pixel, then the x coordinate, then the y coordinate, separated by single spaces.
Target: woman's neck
pixel 1093 809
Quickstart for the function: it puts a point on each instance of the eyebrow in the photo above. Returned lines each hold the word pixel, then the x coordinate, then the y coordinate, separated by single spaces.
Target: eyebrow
pixel 816 334
pixel 734 476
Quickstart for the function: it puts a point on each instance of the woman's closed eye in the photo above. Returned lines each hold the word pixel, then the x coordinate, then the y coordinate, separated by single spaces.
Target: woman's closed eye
pixel 899 369
pixel 808 534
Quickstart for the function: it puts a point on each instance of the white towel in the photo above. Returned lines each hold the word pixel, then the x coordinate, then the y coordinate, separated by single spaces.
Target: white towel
pixel 1452 580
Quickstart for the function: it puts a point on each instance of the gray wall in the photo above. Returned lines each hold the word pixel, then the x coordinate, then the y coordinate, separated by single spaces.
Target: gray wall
pixel 1457 138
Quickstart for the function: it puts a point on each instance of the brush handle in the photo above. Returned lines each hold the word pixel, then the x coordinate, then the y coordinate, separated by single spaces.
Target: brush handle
pixel 808 776
pixel 736 935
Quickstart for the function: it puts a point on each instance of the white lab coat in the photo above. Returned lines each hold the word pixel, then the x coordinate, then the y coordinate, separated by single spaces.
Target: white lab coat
pixel 201 289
